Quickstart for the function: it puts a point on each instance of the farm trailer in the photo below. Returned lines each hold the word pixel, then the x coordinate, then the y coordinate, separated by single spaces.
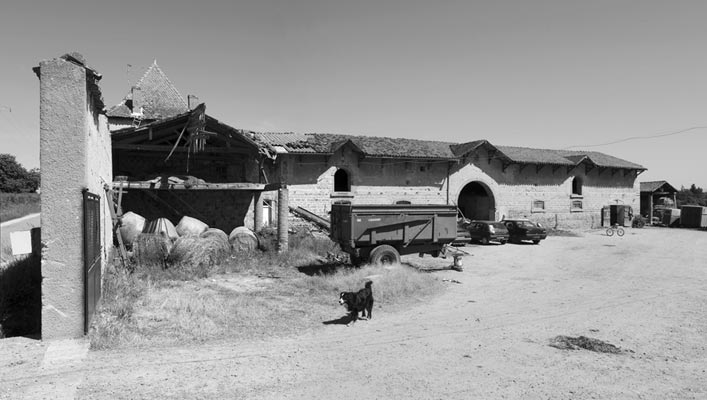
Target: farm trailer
pixel 381 233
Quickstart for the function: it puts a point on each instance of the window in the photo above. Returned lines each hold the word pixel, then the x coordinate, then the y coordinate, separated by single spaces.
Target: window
pixel 538 206
pixel 577 186
pixel 403 202
pixel 576 206
pixel 341 181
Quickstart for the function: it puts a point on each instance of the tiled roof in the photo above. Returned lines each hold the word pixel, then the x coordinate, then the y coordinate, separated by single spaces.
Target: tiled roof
pixel 160 99
pixel 564 157
pixel 298 143
pixel 535 156
pixel 655 185
pixel 601 159
pixel 319 143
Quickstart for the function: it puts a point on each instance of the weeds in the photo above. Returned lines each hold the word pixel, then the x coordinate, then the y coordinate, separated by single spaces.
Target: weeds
pixel 256 295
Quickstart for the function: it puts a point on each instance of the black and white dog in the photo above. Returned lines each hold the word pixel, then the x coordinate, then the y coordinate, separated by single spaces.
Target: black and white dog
pixel 355 302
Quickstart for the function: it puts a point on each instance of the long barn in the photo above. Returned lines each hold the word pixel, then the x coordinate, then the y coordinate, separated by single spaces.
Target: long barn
pixel 237 177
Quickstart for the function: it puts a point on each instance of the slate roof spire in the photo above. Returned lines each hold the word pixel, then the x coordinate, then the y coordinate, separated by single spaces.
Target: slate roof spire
pixel 155 94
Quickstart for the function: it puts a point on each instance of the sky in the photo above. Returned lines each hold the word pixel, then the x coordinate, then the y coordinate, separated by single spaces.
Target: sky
pixel 623 77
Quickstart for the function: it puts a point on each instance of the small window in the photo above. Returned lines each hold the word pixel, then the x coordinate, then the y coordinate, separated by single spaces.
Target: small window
pixel 403 202
pixel 576 206
pixel 577 186
pixel 538 206
pixel 341 181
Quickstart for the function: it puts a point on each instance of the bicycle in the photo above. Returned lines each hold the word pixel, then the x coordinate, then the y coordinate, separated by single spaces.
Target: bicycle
pixel 615 228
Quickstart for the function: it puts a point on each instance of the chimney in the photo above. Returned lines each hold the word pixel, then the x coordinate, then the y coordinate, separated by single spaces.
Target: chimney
pixel 137 100
pixel 192 101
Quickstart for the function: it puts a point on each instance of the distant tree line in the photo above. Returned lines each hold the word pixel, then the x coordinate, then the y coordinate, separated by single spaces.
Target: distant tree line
pixel 14 178
pixel 692 196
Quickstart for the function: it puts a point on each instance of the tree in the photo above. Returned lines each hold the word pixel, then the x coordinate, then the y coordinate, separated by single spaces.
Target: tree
pixel 692 196
pixel 14 178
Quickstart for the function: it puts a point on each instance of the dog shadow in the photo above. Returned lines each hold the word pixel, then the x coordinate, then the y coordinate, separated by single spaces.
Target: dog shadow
pixel 345 320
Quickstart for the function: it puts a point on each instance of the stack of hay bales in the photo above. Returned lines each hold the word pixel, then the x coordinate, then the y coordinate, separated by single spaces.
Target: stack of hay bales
pixel 191 245
pixel 200 252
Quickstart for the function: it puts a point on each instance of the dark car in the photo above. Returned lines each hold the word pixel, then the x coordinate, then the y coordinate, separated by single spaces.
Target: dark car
pixel 523 229
pixel 488 231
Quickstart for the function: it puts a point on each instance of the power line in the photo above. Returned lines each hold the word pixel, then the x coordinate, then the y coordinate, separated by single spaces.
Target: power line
pixel 638 138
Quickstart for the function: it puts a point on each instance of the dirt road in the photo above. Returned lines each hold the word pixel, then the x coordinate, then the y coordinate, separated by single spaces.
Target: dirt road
pixel 486 337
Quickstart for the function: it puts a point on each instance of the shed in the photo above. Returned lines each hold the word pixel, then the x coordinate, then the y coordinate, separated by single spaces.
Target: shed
pixel 651 194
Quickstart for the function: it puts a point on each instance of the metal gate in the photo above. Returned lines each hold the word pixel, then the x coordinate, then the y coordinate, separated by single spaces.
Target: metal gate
pixel 91 254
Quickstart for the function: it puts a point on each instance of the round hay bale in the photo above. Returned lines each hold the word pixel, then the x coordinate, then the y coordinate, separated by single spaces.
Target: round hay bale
pixel 191 226
pixel 243 239
pixel 196 252
pixel 131 226
pixel 217 233
pixel 161 225
pixel 151 249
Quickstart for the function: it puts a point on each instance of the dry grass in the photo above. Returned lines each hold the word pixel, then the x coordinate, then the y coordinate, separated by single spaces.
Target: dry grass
pixel 242 297
pixel 16 205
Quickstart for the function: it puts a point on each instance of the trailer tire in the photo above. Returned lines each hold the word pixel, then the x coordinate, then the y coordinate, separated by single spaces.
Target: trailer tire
pixel 384 254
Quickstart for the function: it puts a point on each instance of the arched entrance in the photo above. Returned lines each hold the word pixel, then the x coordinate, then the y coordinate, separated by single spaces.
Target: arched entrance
pixel 476 202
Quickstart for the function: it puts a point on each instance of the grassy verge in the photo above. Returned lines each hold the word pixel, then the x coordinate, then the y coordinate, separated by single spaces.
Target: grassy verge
pixel 16 205
pixel 262 295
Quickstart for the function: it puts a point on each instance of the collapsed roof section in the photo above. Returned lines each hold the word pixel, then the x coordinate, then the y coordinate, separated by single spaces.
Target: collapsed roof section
pixel 191 131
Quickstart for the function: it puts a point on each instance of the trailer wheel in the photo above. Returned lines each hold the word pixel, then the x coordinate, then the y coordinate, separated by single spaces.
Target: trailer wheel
pixel 384 254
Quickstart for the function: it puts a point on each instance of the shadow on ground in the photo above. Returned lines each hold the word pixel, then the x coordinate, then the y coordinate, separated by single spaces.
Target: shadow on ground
pixel 21 298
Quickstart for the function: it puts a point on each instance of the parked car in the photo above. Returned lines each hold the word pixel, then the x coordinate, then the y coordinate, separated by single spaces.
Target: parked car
pixel 523 229
pixel 488 231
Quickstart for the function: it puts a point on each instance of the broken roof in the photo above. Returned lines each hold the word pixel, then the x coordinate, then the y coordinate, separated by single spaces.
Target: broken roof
pixel 160 99
pixel 371 146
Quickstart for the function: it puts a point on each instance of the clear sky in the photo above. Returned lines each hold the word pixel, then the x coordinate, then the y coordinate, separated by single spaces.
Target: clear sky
pixel 544 74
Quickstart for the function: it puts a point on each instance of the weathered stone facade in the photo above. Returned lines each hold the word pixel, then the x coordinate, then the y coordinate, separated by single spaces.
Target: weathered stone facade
pixel 541 193
pixel 74 155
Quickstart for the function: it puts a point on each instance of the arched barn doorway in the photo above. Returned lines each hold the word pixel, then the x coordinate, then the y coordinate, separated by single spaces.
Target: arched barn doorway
pixel 476 202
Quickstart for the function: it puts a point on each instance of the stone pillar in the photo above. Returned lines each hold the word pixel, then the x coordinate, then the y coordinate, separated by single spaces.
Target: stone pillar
pixel 257 211
pixel 63 140
pixel 75 155
pixel 282 219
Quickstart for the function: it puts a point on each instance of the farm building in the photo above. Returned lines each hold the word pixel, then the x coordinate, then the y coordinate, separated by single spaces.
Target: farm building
pixel 176 160
pixel 657 193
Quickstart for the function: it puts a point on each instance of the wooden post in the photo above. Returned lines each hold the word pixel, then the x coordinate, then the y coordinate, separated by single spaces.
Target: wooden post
pixel 257 211
pixel 282 216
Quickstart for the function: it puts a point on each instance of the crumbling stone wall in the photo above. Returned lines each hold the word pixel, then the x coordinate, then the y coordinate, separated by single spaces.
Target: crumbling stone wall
pixel 74 155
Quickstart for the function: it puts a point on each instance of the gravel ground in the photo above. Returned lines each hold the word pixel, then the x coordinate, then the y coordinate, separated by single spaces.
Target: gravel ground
pixel 488 336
